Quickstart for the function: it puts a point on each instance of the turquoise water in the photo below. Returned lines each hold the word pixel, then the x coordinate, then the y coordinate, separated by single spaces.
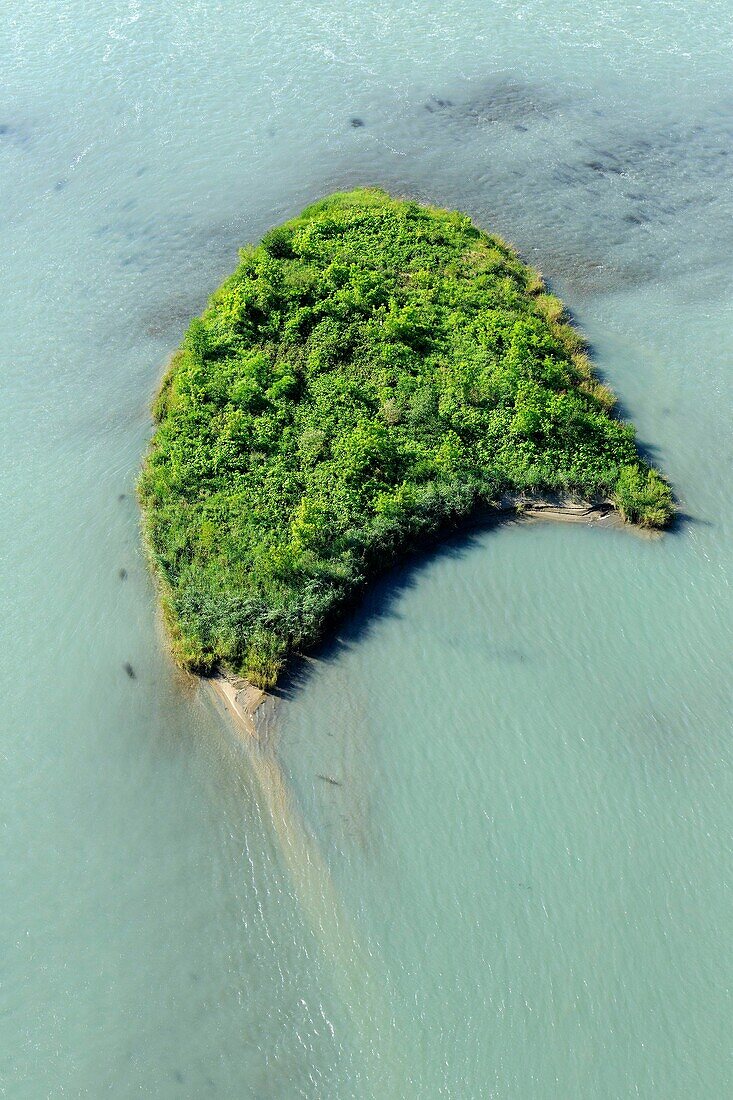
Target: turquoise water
pixel 519 885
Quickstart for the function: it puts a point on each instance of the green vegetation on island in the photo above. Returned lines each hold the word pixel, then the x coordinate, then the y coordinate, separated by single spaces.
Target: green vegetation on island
pixel 371 373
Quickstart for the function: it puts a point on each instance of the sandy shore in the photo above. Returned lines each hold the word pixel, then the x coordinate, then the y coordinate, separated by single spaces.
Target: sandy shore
pixel 568 512
pixel 242 700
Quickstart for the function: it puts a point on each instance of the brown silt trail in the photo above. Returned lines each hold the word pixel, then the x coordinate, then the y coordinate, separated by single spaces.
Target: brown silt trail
pixel 362 989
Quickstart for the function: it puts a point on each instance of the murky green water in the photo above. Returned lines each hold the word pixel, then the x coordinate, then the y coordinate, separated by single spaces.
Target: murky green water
pixel 519 885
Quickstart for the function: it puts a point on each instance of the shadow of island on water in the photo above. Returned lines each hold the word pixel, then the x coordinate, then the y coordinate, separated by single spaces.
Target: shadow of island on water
pixel 359 616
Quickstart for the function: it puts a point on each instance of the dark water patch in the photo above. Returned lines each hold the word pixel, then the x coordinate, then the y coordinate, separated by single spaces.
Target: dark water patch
pixel 590 186
pixel 435 104
pixel 582 173
pixel 637 217
pixel 122 574
pixel 504 654
pixel 503 101
pixel 170 319
pixel 128 222
pixel 670 166
pixel 602 168
pixel 587 274
pixel 664 731
pixel 127 231
pixel 13 134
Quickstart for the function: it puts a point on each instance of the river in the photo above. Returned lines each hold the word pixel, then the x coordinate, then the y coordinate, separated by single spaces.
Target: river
pixel 514 880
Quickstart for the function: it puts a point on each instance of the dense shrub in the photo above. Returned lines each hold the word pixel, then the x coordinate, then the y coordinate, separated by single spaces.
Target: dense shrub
pixel 642 496
pixel 369 374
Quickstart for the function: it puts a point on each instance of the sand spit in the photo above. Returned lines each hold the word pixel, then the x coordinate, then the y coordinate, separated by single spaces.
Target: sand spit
pixel 356 970
pixel 242 700
pixel 567 511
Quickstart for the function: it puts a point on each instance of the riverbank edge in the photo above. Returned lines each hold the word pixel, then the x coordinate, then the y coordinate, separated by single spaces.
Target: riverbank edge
pixel 244 700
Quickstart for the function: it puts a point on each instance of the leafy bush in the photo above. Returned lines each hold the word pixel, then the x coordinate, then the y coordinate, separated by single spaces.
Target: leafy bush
pixel 643 497
pixel 371 373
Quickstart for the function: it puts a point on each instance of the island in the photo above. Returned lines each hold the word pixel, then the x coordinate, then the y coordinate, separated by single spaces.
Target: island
pixel 373 374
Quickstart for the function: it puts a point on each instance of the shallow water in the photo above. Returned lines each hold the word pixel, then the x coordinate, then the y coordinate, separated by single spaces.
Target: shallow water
pixel 519 883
